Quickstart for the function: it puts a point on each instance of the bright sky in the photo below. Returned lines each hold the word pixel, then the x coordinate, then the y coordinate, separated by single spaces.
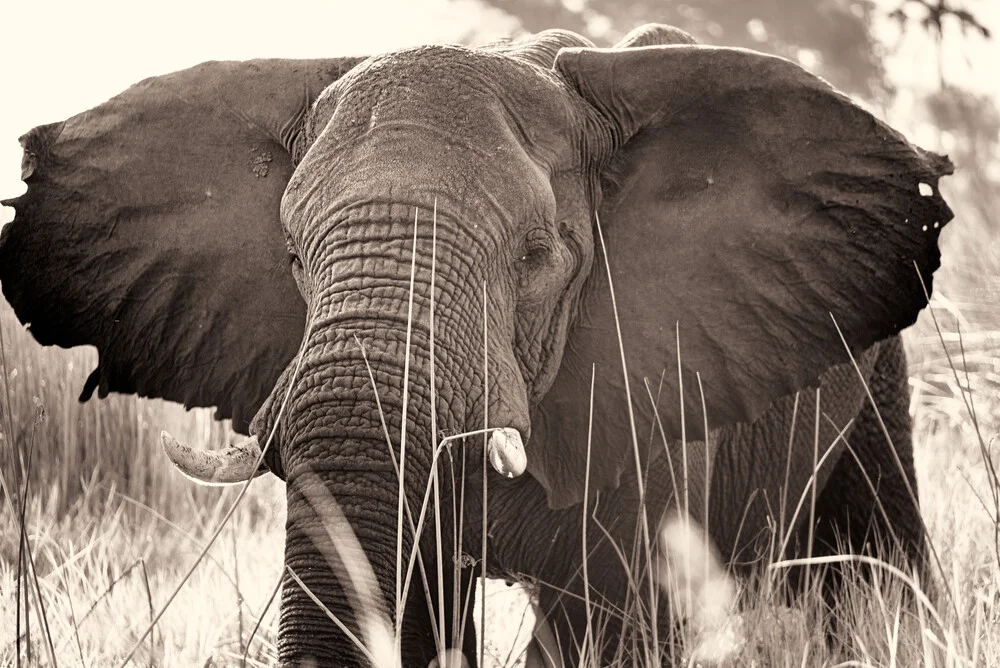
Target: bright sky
pixel 61 57
pixel 970 62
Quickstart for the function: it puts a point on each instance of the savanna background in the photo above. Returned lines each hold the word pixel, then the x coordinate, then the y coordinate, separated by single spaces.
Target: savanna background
pixel 98 530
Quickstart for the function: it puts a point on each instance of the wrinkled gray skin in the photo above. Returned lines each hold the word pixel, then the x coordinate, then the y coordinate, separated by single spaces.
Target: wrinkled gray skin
pixel 515 155
pixel 342 202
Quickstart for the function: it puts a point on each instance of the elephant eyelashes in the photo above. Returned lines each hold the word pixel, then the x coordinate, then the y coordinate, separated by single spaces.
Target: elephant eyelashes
pixel 533 257
pixel 299 274
pixel 531 263
pixel 536 250
pixel 541 267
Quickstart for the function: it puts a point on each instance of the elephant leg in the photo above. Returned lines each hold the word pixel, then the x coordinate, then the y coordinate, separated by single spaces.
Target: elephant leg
pixel 545 544
pixel 866 506
pixel 615 639
pixel 613 627
pixel 528 538
pixel 566 617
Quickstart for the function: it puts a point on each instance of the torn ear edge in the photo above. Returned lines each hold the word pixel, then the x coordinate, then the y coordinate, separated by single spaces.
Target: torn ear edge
pixel 150 229
pixel 753 201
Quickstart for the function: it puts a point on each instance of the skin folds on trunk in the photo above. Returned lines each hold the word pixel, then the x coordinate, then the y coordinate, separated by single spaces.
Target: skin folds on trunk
pixel 342 480
pixel 366 363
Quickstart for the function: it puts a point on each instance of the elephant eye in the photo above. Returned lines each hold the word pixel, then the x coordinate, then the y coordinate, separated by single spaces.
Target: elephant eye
pixel 290 247
pixel 298 272
pixel 294 261
pixel 533 256
pixel 536 249
pixel 540 265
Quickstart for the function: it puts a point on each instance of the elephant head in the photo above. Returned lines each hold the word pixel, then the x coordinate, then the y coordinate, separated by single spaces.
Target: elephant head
pixel 496 229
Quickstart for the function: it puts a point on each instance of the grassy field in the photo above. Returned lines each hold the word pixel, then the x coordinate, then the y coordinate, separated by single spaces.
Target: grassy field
pixel 112 528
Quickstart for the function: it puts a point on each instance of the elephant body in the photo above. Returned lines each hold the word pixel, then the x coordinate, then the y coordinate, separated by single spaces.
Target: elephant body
pixel 598 284
pixel 758 476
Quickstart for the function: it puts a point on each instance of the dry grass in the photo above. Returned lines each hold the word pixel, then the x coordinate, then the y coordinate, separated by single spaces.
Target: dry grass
pixel 106 565
pixel 111 526
pixel 111 529
pixel 106 561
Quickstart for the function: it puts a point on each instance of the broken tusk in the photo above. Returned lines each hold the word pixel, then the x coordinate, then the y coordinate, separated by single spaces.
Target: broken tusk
pixel 506 452
pixel 228 466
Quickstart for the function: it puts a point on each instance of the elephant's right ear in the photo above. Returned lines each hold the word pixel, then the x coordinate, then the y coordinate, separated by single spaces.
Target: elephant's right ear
pixel 150 230
pixel 747 205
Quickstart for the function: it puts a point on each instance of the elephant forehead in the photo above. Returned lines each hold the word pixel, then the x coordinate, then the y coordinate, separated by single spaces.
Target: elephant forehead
pixel 475 134
pixel 480 99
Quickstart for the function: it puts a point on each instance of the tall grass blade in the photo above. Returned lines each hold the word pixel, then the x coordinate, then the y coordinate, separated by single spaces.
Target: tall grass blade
pixel 912 582
pixel 807 492
pixel 588 638
pixel 647 543
pixel 257 622
pixel 813 491
pixel 402 428
pixel 435 483
pixel 486 425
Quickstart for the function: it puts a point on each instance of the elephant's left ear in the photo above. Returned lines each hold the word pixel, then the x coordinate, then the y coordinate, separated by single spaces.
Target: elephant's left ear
pixel 150 229
pixel 745 202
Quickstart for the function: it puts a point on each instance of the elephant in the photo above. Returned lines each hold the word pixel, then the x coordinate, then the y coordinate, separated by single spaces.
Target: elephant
pixel 547 273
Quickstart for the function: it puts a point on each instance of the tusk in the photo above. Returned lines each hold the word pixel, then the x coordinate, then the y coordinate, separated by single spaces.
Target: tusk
pixel 228 466
pixel 507 452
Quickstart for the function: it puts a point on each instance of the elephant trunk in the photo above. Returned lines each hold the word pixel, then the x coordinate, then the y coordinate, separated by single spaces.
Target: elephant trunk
pixel 329 575
pixel 343 493
pixel 379 385
pixel 341 439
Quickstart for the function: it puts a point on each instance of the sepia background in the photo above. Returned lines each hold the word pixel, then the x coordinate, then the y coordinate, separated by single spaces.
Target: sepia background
pixel 111 528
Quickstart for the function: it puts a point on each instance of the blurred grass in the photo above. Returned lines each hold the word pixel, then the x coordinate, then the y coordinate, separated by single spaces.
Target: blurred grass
pixel 106 565
pixel 111 524
pixel 115 439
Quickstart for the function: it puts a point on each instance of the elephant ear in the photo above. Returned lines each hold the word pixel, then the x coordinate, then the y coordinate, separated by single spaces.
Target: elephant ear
pixel 150 230
pixel 746 206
